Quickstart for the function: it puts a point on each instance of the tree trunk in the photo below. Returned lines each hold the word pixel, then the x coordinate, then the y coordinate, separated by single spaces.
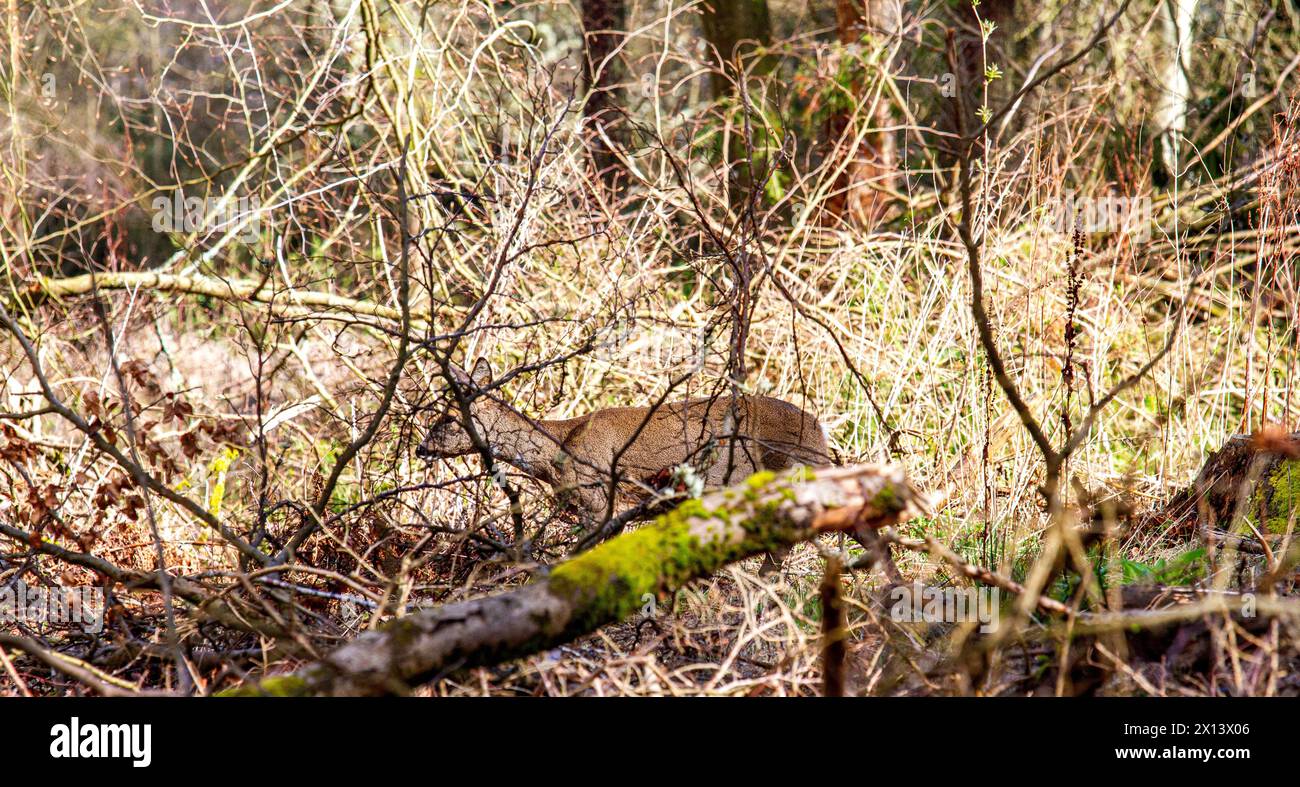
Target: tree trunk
pixel 728 26
pixel 603 24
pixel 732 27
pixel 1252 479
pixel 859 129
pixel 1171 114
pixel 609 583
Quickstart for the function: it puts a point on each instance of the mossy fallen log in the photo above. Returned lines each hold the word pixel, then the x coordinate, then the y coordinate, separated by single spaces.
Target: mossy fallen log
pixel 608 583
pixel 1252 479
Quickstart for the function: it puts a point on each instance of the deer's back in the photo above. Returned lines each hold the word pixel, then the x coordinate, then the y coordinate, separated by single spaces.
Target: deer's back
pixel 722 433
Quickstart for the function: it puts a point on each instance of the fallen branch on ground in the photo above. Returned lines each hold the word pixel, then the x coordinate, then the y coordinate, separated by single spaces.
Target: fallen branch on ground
pixel 87 674
pixel 610 582
pixel 223 289
pixel 212 606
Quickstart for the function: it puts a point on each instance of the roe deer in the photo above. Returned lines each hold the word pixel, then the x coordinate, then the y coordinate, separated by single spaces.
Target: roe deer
pixel 722 440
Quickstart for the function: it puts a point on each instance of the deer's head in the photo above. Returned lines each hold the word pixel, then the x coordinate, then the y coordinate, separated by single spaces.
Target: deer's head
pixel 447 437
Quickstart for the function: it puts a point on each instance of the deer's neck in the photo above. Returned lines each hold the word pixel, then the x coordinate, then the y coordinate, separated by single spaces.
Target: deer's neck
pixel 530 445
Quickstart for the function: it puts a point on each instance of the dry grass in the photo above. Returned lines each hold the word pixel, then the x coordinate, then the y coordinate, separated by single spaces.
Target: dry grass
pixel 632 287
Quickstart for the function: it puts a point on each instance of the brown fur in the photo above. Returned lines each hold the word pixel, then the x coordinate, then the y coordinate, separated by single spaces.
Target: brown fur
pixel 576 456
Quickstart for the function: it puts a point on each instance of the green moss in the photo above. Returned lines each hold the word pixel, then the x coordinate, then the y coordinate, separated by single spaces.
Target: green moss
pixel 756 483
pixel 1283 489
pixel 887 499
pixel 610 582
pixel 760 479
pixel 289 685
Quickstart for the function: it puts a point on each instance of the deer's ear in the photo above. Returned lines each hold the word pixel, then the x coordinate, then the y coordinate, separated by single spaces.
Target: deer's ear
pixel 482 373
pixel 458 375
